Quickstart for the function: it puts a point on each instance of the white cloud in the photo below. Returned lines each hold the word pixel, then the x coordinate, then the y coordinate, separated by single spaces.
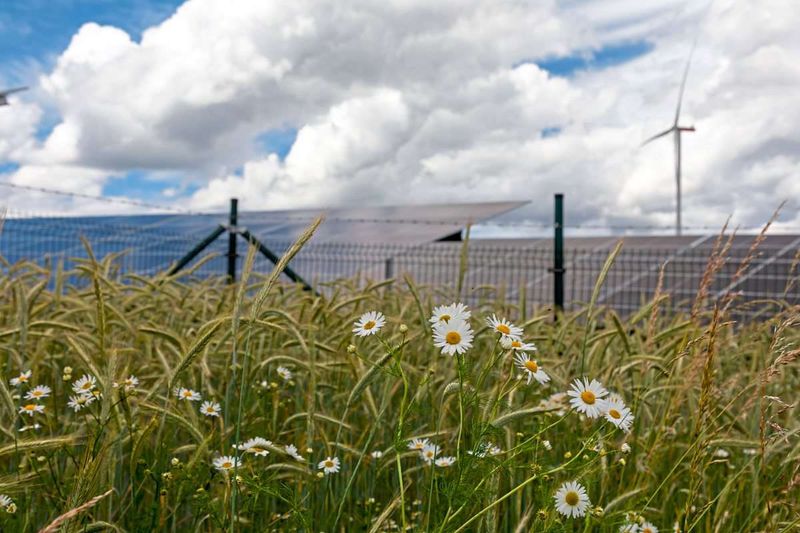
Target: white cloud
pixel 410 101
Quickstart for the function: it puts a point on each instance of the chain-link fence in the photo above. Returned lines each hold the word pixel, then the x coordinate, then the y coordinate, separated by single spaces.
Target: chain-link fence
pixel 517 270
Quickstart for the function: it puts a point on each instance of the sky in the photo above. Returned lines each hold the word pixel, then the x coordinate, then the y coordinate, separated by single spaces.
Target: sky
pixel 312 104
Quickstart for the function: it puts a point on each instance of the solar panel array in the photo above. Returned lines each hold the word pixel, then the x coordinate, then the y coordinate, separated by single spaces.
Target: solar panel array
pixel 381 243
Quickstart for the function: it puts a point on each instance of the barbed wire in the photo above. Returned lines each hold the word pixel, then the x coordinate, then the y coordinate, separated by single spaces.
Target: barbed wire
pixel 106 199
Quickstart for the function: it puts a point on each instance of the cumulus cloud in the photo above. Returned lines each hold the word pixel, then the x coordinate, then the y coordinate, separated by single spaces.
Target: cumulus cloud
pixel 407 101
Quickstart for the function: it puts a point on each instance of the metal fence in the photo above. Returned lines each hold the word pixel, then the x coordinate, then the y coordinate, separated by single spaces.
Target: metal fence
pixel 509 269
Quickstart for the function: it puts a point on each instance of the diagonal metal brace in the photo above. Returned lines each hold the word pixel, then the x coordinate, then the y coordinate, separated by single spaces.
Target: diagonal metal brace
pixel 194 252
pixel 266 252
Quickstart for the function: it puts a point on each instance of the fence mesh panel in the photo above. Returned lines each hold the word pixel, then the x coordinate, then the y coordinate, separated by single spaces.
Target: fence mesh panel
pixel 513 269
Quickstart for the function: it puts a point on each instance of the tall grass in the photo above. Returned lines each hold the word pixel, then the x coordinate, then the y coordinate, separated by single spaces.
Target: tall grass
pixel 714 446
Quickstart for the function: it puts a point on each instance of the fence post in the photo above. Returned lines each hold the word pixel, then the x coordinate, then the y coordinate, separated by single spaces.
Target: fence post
pixel 389 268
pixel 558 254
pixel 232 222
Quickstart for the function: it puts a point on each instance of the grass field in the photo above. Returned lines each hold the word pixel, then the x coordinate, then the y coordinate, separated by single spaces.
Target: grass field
pixel 119 443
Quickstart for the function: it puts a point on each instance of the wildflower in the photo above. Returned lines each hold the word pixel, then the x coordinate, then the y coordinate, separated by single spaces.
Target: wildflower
pixel 284 372
pixel 187 394
pixel 647 527
pixel 571 499
pixel 452 337
pixel 31 409
pixel 5 501
pixel 446 313
pixel 531 368
pixel 517 345
pixel 175 461
pixel 24 377
pixel 625 448
pixel 547 445
pixel 12 508
pixel 585 397
pixel 85 385
pixel 418 444
pixel 618 414
pixel 38 392
pixel 128 383
pixel 403 328
pixel 429 453
pixel 225 463
pixel 330 465
pixel 377 454
pixel 210 408
pixel 369 323
pixel 505 328
pixel 720 453
pixel 291 449
pixel 445 461
pixel 629 528
pixel 256 446
pixel 80 401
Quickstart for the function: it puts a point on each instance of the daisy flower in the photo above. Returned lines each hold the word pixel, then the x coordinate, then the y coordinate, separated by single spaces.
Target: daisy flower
pixel 225 463
pixel 586 397
pixel 418 444
pixel 369 323
pixel 128 383
pixel 85 385
pixel 80 401
pixel 31 409
pixel 210 408
pixel 284 372
pixel 377 454
pixel 5 501
pixel 446 313
pixel 291 449
pixel 24 377
pixel 517 345
pixel 531 368
pixel 504 328
pixel 429 453
pixel 647 527
pixel 452 337
pixel 330 465
pixel 618 414
pixel 629 528
pixel 571 499
pixel 38 392
pixel 187 394
pixel 256 446
pixel 625 448
pixel 445 461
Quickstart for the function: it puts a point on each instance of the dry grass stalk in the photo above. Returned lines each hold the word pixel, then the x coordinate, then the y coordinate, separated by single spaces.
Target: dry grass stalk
pixel 72 513
pixel 715 261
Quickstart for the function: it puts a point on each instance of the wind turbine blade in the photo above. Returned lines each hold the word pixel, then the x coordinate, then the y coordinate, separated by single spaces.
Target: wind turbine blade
pixel 657 136
pixel 12 91
pixel 683 81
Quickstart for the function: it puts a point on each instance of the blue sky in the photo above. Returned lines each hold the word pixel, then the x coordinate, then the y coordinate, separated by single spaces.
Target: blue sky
pixel 34 32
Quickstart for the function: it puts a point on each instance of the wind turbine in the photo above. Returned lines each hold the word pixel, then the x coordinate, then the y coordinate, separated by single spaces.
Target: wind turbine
pixel 677 130
pixel 4 94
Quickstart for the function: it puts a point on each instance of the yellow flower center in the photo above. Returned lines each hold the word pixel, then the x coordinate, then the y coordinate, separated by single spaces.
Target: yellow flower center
pixel 532 366
pixel 516 344
pixel 453 337
pixel 502 328
pixel 87 385
pixel 613 413
pixel 227 464
pixel 329 464
pixel 187 394
pixel 588 397
pixel 572 498
pixel 36 393
pixel 30 407
pixel 445 318
pixel 369 325
pixel 23 379
pixel 429 453
pixel 256 449
pixel 647 530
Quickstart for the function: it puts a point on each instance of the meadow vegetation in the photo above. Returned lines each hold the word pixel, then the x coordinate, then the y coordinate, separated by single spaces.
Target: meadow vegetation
pixel 184 404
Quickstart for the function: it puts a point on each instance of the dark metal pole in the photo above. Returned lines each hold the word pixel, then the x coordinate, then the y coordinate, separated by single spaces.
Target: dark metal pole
pixel 232 221
pixel 558 254
pixel 194 252
pixel 294 276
